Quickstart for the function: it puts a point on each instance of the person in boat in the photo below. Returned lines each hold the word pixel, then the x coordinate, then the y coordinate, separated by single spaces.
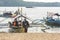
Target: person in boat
pixel 15 23
pixel 25 24
pixel 9 24
pixel 20 23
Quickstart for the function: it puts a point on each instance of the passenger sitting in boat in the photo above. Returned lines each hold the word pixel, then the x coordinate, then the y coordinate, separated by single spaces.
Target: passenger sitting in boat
pixel 20 23
pixel 25 24
pixel 9 24
pixel 15 23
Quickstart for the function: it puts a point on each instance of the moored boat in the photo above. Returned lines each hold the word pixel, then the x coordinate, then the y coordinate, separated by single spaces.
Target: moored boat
pixel 53 19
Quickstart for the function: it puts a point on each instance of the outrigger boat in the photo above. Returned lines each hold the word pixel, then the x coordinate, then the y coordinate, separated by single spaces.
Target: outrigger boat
pixel 19 17
pixel 50 20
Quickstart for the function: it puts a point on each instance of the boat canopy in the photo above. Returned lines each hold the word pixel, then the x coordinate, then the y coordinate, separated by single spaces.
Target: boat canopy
pixel 56 14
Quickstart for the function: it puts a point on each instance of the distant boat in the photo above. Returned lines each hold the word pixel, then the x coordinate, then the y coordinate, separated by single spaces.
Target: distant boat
pixel 29 7
pixel 52 21
pixel 6 14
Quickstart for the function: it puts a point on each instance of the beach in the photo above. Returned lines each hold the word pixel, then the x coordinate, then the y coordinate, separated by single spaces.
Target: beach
pixel 29 36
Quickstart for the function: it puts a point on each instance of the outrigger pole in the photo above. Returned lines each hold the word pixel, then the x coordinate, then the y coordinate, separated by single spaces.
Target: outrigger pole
pixel 21 17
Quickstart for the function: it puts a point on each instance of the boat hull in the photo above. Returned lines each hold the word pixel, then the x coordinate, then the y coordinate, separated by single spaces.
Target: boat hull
pixel 52 22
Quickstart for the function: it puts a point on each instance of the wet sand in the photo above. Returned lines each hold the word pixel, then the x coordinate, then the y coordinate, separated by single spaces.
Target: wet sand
pixel 29 36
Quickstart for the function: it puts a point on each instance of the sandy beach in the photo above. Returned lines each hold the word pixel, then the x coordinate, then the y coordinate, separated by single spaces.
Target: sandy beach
pixel 29 36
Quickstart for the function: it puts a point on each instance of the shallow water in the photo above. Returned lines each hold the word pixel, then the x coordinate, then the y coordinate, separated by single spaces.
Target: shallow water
pixel 31 13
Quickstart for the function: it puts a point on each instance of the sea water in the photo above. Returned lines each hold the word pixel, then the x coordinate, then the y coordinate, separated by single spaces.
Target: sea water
pixel 31 13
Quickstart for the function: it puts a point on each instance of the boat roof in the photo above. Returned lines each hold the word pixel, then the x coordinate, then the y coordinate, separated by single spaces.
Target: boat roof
pixel 56 14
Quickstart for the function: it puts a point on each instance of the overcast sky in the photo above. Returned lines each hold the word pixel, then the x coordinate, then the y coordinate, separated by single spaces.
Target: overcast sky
pixel 42 0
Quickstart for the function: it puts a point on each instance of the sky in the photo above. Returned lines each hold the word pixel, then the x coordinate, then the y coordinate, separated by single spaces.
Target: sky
pixel 42 0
